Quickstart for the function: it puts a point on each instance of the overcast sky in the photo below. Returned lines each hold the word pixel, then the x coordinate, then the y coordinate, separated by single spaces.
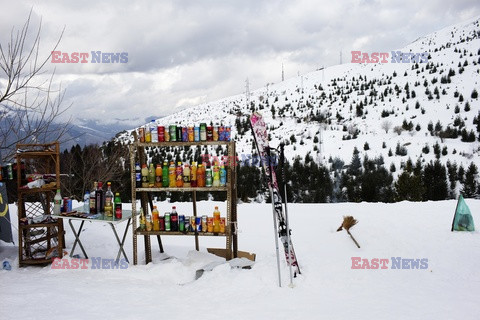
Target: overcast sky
pixel 182 53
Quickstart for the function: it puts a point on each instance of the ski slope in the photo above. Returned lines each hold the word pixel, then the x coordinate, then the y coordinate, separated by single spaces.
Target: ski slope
pixel 327 289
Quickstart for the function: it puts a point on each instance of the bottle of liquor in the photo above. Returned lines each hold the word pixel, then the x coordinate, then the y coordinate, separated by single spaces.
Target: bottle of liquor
pixel 57 203
pixel 93 205
pixel 99 198
pixel 109 201
pixel 118 206
pixel 174 219
pixel 138 175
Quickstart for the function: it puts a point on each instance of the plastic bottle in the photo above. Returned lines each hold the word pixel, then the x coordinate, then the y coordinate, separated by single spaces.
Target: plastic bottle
pixel 109 200
pixel 186 176
pixel 172 175
pixel 165 174
pixel 216 175
pixel 174 219
pixel 193 174
pixel 144 176
pixel 154 131
pixel 208 177
pixel 158 176
pixel 138 175
pixel 93 206
pixel 151 176
pixel 223 176
pixel 149 225
pixel 86 202
pixel 179 175
pixel 155 219
pixel 148 133
pixel 143 222
pixel 57 203
pixel 118 206
pixel 167 221
pixel 216 220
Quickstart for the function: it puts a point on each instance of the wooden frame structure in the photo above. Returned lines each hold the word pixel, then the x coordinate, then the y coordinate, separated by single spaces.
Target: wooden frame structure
pixel 37 240
pixel 137 154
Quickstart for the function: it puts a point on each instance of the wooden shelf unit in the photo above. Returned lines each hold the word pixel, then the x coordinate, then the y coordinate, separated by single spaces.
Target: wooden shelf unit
pixel 35 240
pixel 137 154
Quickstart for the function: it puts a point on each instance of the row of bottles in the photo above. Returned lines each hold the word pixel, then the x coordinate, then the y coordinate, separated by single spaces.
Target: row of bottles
pixel 158 133
pixel 180 176
pixel 172 221
pixel 99 201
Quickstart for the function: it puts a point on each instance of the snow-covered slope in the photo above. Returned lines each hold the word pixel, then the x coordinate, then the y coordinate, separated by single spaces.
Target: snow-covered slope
pixel 327 289
pixel 329 112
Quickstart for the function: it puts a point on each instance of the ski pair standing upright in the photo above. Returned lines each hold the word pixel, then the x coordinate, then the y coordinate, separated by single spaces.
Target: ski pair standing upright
pixel 280 217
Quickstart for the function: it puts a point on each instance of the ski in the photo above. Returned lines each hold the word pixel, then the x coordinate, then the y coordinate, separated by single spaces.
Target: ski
pixel 260 135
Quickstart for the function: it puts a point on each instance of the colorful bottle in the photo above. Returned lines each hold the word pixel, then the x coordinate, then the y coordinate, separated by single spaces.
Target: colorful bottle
pixel 144 176
pixel 193 174
pixel 165 174
pixel 99 198
pixel 179 175
pixel 172 175
pixel 186 176
pixel 86 202
pixel 109 200
pixel 57 203
pixel 118 206
pixel 138 175
pixel 174 219
pixel 167 221
pixel 208 177
pixel 151 176
pixel 201 176
pixel 155 219
pixel 216 220
pixel 149 224
pixel 143 222
pixel 154 131
pixel 223 176
pixel 93 206
pixel 148 134
pixel 216 175
pixel 158 176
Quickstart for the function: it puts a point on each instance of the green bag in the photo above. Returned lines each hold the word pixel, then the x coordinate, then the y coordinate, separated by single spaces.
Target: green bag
pixel 462 221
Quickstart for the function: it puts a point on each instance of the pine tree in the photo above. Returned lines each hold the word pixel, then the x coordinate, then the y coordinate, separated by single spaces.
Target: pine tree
pixel 470 186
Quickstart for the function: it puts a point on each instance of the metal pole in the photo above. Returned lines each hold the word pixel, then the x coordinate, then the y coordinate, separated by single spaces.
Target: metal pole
pixel 289 258
pixel 276 238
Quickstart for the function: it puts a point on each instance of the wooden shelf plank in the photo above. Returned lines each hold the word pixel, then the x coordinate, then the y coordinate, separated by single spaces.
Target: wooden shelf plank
pixel 199 189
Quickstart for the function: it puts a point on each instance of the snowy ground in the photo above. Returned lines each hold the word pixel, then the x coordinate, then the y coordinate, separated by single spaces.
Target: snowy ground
pixel 328 288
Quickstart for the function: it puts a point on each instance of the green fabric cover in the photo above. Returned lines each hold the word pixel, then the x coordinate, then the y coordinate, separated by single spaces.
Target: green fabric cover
pixel 462 221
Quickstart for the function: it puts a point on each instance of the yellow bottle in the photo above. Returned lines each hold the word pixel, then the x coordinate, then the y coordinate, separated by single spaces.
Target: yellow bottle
pixel 172 177
pixel 193 175
pixel 148 134
pixel 216 220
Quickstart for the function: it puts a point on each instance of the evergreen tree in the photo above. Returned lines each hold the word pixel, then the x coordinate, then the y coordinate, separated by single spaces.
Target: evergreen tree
pixel 435 181
pixel 470 186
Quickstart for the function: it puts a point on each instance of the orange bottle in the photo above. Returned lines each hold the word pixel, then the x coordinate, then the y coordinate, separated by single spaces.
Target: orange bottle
pixel 200 176
pixel 171 175
pixel 179 173
pixel 158 176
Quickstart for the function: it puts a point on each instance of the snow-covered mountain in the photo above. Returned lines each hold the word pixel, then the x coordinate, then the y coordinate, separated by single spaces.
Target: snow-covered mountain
pixel 327 113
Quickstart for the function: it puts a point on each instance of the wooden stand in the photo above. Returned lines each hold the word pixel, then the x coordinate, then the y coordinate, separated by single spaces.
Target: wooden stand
pixel 137 154
pixel 37 241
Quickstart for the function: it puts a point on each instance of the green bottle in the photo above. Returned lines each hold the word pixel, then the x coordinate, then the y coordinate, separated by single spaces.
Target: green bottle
pixel 118 206
pixel 165 181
